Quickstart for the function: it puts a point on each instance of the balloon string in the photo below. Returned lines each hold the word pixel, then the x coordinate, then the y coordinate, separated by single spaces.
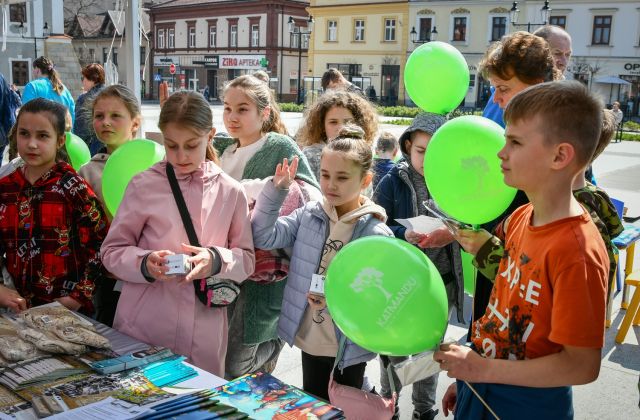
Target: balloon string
pixel 482 401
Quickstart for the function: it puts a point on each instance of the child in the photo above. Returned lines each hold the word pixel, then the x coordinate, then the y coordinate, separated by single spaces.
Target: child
pixel 251 116
pixel 157 308
pixel 316 232
pixel 51 223
pixel 532 344
pixel 327 116
pixel 386 150
pixel 402 193
pixel 116 118
pixel 594 199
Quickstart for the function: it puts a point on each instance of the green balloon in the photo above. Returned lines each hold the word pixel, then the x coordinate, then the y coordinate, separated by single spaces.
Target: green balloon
pixel 468 272
pixel 77 150
pixel 127 161
pixel 436 77
pixel 462 170
pixel 387 296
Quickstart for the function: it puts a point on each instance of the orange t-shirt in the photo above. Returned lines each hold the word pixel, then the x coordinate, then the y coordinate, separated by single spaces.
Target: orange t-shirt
pixel 550 290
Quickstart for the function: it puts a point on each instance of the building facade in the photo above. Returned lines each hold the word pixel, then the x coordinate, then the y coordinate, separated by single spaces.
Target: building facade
pixel 211 42
pixel 36 28
pixel 366 40
pixel 605 39
pixel 100 39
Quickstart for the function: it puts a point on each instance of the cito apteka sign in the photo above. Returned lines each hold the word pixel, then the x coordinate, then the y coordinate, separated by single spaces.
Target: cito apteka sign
pixel 248 62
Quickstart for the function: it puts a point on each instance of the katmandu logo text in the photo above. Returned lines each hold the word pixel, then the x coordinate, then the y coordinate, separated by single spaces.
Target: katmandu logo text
pixel 370 277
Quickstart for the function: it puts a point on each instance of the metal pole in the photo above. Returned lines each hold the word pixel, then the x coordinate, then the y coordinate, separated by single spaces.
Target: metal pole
pixel 35 48
pixel 132 47
pixel 299 63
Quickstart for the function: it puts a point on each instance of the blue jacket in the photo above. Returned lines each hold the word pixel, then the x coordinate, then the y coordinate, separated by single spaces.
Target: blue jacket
pixel 9 104
pixel 42 88
pixel 305 230
pixel 396 194
pixel 493 111
pixel 381 167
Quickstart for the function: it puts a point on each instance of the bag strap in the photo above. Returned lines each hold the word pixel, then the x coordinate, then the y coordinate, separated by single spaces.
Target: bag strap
pixel 342 345
pixel 182 206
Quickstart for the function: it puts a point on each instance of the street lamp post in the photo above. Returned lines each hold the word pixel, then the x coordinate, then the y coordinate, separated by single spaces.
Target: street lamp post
pixel 514 12
pixel 414 36
pixel 35 38
pixel 300 33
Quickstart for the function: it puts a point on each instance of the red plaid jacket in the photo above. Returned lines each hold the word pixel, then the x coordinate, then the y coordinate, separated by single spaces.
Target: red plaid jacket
pixel 51 232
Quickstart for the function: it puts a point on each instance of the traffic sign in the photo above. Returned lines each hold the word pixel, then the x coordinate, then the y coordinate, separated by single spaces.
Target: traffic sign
pixel 172 68
pixel 157 78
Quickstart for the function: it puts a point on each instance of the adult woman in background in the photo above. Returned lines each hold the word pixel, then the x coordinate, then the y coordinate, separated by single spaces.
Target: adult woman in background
pixel 92 84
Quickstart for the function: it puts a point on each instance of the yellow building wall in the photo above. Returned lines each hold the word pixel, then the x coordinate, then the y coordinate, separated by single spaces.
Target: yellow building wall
pixel 370 53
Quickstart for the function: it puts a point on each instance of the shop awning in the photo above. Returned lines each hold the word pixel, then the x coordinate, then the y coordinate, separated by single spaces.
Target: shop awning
pixel 612 80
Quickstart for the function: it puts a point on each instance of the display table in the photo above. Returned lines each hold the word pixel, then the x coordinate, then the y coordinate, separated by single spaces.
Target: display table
pixel 115 409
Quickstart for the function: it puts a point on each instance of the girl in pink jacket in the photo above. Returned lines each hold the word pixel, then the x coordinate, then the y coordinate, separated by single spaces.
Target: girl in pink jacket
pixel 161 309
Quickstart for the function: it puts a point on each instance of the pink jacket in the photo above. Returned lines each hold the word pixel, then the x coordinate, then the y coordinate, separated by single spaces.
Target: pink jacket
pixel 166 313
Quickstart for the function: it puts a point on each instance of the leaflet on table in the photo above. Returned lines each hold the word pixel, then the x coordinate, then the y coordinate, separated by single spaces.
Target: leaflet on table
pixel 109 408
pixel 262 396
pixel 89 388
pixel 132 360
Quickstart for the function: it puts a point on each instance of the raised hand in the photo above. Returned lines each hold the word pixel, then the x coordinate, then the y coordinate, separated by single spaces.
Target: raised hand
pixel 285 173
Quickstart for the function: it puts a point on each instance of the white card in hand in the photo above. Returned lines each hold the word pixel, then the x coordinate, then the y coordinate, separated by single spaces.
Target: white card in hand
pixel 421 224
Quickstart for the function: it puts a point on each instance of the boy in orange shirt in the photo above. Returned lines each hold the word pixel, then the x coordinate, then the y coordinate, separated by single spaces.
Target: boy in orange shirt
pixel 544 326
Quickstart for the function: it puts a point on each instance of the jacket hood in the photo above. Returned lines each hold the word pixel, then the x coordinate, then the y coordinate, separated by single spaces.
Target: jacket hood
pixel 52 176
pixel 427 122
pixel 366 207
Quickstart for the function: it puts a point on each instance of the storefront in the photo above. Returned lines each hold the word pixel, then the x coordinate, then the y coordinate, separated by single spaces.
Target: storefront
pixel 615 79
pixel 194 72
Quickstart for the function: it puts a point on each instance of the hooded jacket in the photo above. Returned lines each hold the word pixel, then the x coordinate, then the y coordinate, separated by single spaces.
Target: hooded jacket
pixel 305 230
pixel 396 194
pixel 51 232
pixel 167 313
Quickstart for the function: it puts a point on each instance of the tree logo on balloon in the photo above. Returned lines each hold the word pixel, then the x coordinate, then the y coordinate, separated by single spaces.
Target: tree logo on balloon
pixel 369 277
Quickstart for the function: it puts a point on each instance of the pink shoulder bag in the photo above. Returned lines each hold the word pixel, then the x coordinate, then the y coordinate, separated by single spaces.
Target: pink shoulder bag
pixel 356 403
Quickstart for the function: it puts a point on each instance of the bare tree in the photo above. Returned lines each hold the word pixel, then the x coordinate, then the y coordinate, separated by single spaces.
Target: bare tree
pixel 72 8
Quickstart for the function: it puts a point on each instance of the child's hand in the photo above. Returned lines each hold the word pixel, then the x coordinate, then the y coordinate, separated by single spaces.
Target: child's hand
pixel 69 303
pixel 472 240
pixel 285 173
pixel 437 239
pixel 202 263
pixel 11 299
pixel 413 237
pixel 156 265
pixel 316 302
pixel 461 362
pixel 449 400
